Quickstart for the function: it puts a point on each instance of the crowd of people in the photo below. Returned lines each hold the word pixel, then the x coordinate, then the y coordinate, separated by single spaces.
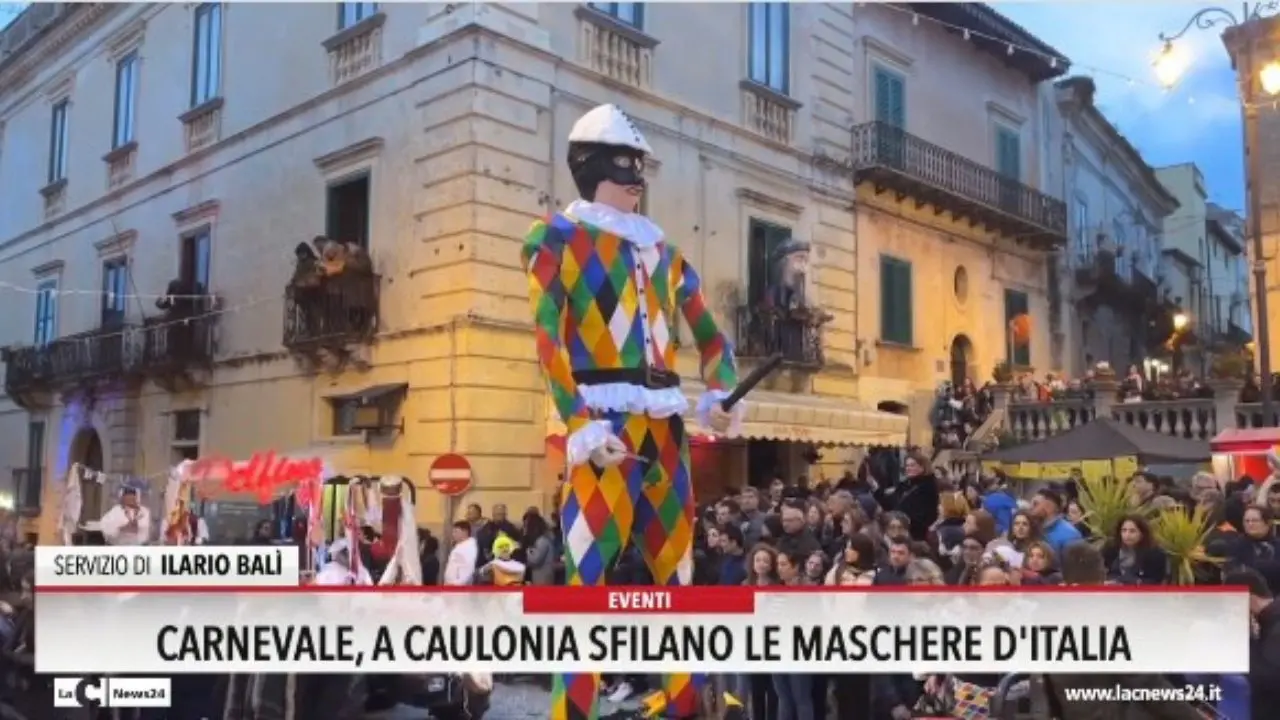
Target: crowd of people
pixel 958 411
pixel 896 521
pixel 17 611
pixel 1134 386
pixel 927 528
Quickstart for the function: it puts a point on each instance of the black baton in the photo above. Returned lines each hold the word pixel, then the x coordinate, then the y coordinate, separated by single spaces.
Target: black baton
pixel 750 381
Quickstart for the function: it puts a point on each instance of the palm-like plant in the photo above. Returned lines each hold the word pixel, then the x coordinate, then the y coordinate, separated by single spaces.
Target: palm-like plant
pixel 1182 537
pixel 1105 502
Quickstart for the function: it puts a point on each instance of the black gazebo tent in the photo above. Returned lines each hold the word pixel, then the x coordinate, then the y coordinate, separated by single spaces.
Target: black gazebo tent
pixel 1106 439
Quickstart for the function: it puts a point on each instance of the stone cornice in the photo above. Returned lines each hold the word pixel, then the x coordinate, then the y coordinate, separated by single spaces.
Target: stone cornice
pixel 196 214
pixel 126 40
pixel 116 245
pixel 44 270
pixel 350 155
pixel 73 22
pixel 769 202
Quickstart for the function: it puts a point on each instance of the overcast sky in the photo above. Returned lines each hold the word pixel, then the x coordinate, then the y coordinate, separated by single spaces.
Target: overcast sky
pixel 1199 121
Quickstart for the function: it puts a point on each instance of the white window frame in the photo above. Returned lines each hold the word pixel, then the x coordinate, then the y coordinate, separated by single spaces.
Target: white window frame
pixel 1084 244
pixel 206 53
pixel 177 446
pixel 115 299
pixel 126 100
pixel 352 13
pixel 630 13
pixel 59 139
pixel 46 323
pixel 761 26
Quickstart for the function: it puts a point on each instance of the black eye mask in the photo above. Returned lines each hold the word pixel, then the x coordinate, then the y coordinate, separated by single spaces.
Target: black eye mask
pixel 594 164
pixel 625 169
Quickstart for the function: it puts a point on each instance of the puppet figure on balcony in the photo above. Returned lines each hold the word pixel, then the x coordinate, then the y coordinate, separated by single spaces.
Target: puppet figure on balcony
pixel 789 270
pixel 603 282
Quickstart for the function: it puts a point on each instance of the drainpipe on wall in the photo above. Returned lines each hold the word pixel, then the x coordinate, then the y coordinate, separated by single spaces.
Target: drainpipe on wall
pixel 858 349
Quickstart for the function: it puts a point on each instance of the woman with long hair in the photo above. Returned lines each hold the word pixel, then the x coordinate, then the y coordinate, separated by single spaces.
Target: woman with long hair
pixel 1131 554
pixel 1040 566
pixel 917 495
pixel 855 564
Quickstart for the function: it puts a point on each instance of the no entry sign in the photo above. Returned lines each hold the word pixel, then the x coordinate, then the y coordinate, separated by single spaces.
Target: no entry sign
pixel 450 475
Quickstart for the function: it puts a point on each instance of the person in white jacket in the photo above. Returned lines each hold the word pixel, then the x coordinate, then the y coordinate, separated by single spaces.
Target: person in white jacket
pixel 337 569
pixel 461 567
pixel 129 522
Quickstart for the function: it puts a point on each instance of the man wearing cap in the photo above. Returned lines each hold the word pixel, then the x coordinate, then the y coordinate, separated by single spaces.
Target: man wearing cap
pixel 605 285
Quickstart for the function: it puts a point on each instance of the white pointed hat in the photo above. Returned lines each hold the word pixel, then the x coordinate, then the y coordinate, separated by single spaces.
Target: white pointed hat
pixel 608 125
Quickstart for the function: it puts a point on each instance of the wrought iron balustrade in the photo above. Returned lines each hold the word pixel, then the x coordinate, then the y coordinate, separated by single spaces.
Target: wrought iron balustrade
pixel 97 354
pixel 26 370
pixel 101 354
pixel 894 158
pixel 172 344
pixel 796 333
pixel 335 311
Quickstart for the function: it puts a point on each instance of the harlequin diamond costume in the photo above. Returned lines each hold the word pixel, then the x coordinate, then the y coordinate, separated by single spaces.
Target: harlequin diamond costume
pixel 605 286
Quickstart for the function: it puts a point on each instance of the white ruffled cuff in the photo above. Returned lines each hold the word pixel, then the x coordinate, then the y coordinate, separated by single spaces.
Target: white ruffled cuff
pixel 714 397
pixel 586 440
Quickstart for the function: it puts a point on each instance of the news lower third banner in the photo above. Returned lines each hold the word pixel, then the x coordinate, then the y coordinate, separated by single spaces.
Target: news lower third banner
pixel 179 566
pixel 157 631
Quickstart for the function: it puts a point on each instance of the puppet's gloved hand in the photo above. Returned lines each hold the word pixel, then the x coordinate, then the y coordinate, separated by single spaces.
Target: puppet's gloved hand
pixel 613 452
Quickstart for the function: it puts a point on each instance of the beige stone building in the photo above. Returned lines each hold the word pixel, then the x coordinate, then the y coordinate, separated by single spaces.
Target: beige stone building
pixel 1252 47
pixel 150 147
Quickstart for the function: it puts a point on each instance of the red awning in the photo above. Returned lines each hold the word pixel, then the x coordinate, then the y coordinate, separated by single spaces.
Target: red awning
pixel 1246 440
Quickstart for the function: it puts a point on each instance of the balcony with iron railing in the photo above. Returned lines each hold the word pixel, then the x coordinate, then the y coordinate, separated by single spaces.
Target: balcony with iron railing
pixel 103 354
pixel 1101 281
pixel 796 333
pixel 331 314
pixel 172 345
pixel 894 160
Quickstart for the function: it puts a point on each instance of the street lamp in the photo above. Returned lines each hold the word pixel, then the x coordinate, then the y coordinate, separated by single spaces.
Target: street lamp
pixel 1269 78
pixel 1170 66
pixel 1180 321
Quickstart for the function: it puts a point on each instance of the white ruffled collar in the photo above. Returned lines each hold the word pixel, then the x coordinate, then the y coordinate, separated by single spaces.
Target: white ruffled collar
pixel 638 229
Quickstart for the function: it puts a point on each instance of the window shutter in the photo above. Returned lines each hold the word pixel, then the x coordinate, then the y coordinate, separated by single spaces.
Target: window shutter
pixel 895 301
pixel 897 102
pixel 1009 154
pixel 883 101
pixel 905 311
pixel 886 299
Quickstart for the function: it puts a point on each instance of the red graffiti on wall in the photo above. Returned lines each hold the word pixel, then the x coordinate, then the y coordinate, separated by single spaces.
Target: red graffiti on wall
pixel 265 475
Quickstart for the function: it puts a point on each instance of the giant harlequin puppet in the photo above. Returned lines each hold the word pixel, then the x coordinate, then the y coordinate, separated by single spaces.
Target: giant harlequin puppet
pixel 605 286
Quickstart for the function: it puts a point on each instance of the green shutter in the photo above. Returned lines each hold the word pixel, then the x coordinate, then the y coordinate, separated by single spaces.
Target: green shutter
pixel 1008 153
pixel 906 311
pixel 890 98
pixel 895 301
pixel 764 238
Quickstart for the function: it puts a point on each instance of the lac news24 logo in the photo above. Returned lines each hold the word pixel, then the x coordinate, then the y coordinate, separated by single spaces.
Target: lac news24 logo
pixel 111 692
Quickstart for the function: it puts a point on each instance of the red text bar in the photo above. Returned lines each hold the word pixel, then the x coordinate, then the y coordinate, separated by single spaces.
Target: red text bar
pixel 639 600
